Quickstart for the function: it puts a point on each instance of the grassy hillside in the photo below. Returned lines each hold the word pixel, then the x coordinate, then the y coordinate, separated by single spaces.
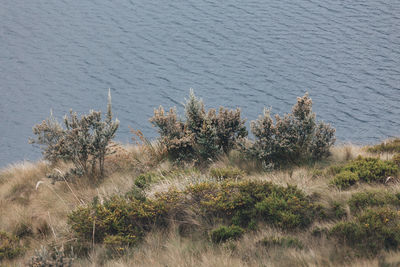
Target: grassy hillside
pixel 150 212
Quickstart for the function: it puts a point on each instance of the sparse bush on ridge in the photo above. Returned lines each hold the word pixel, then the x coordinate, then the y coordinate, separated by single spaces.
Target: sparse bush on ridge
pixel 83 141
pixel 390 146
pixel 294 138
pixel 203 135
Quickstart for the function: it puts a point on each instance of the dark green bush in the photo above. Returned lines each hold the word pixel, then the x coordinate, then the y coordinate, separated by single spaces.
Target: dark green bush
pixel 294 138
pixel 283 242
pixel 226 173
pixel 391 146
pixel 225 233
pixel 362 200
pixel 9 246
pixel 396 159
pixel 345 179
pixel 372 231
pixel 145 179
pixel 202 135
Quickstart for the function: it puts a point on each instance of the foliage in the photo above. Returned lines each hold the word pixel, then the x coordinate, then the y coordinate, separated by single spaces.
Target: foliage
pixel 202 135
pixel 225 233
pixel 362 200
pixel 283 242
pixel 9 246
pixel 125 220
pixel 226 173
pixel 372 231
pixel 345 179
pixel 372 169
pixel 83 140
pixel 391 146
pixel 396 159
pixel 54 257
pixel 293 138
pixel 145 179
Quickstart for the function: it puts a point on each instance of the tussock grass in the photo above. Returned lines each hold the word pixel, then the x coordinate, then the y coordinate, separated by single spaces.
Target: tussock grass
pixel 36 211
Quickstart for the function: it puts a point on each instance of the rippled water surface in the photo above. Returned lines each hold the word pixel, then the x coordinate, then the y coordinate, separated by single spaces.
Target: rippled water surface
pixel 66 54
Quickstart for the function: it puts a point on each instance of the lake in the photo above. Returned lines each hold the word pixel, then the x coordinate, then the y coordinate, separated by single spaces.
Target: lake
pixel 251 54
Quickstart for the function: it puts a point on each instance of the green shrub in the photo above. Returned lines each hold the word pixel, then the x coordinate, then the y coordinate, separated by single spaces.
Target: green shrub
pixel 391 146
pixel 226 173
pixel 225 233
pixel 9 246
pixel 283 242
pixel 294 138
pixel 338 210
pixel 396 159
pixel 242 203
pixel 145 179
pixel 372 169
pixel 345 179
pixel 362 200
pixel 202 135
pixel 84 141
pixel 372 231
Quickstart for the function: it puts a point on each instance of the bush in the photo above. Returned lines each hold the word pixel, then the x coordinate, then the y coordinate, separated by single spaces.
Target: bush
pixel 145 179
pixel 9 246
pixel 54 257
pixel 372 231
pixel 123 221
pixel 362 200
pixel 225 233
pixel 372 169
pixel 283 242
pixel 293 138
pixel 83 141
pixel 226 173
pixel 345 179
pixel 396 159
pixel 391 146
pixel 203 135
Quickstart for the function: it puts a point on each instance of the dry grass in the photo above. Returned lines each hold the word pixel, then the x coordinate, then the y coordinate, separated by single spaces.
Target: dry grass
pixel 37 210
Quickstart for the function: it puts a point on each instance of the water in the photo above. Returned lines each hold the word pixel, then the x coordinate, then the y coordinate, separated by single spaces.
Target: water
pixel 66 54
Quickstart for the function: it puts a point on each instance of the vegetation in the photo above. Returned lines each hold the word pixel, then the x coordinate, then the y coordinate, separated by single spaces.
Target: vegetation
pixel 390 146
pixel 202 194
pixel 84 140
pixel 294 138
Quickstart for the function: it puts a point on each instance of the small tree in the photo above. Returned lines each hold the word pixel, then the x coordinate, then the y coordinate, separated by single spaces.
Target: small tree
pixel 83 141
pixel 292 138
pixel 203 135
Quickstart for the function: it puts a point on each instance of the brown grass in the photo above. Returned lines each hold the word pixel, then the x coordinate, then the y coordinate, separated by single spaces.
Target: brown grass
pixel 37 210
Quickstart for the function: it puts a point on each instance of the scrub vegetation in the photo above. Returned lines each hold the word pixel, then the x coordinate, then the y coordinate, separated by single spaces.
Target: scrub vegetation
pixel 203 194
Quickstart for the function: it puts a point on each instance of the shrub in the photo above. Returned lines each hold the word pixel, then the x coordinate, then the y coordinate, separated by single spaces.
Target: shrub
pixel 202 135
pixel 124 221
pixel 145 179
pixel 225 233
pixel 293 138
pixel 372 169
pixel 362 200
pixel 391 146
pixel 54 257
pixel 372 231
pixel 226 173
pixel 9 246
pixel 283 242
pixel 345 179
pixel 83 141
pixel 396 159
